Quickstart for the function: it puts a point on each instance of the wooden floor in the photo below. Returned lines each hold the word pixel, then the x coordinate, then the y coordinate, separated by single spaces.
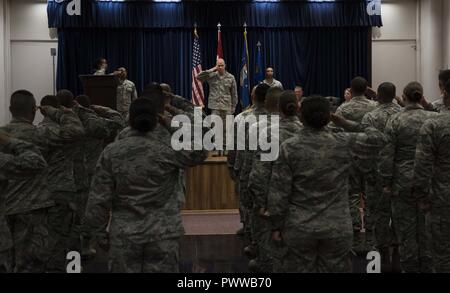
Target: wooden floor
pixel 209 187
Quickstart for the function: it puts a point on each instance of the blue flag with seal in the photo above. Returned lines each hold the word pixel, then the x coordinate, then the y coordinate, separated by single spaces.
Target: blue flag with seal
pixel 259 71
pixel 245 87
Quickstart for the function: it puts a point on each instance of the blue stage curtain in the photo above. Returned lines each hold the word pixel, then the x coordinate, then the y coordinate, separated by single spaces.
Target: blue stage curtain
pixel 321 45
pixel 148 14
pixel 324 60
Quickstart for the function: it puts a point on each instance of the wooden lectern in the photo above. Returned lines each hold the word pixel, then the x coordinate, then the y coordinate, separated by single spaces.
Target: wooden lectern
pixel 101 89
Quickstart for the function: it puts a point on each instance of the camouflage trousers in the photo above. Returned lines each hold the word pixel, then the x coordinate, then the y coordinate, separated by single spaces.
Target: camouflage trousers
pixel 368 241
pixel 245 207
pixel 311 255
pixel 61 220
pixel 79 208
pixel 5 246
pixel 241 211
pixel 223 115
pixel 413 235
pixel 269 254
pixel 440 244
pixel 154 257
pixel 357 184
pixel 30 236
pixel 379 207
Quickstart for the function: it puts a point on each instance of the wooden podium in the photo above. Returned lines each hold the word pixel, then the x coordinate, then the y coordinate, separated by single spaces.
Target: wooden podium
pixel 101 89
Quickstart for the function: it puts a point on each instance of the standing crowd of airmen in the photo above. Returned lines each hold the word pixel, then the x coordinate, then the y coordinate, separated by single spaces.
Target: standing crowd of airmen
pixel 379 164
pixel 89 176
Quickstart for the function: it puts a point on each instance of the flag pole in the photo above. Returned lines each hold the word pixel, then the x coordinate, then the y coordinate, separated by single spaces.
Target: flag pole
pixel 246 43
pixel 219 41
pixel 246 52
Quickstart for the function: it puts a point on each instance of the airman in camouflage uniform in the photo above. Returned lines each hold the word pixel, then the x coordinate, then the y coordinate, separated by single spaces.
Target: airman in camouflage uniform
pixel 231 159
pixel 136 177
pixel 63 127
pixel 354 110
pixel 269 255
pixel 126 92
pixel 258 224
pixel 17 159
pixel 308 196
pixel 242 171
pixel 223 98
pixel 432 182
pixel 378 203
pixel 403 132
pixel 96 129
pixel 28 200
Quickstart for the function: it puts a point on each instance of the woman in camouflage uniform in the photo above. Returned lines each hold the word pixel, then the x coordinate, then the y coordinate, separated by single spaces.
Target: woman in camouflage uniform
pixel 137 179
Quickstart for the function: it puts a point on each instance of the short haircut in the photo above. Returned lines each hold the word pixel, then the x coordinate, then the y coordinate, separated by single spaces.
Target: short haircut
pixel 386 92
pixel 22 103
pixel 315 111
pixel 144 114
pixel 166 87
pixel 359 86
pixel 152 88
pixel 413 91
pixel 84 101
pixel 288 104
pixel 65 98
pixel 260 92
pixel 50 100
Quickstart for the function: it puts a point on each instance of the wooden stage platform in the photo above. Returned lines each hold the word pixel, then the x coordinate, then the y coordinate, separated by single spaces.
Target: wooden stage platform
pixel 209 187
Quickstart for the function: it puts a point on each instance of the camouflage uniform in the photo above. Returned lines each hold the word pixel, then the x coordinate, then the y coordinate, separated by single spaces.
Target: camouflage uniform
pixel 354 110
pixel 113 123
pixel 98 129
pixel 257 224
pixel 136 177
pixel 274 83
pixel 403 132
pixel 269 255
pixel 28 200
pixel 63 129
pixel 378 203
pixel 181 187
pixel 308 196
pixel 100 72
pixel 87 150
pixel 231 162
pixel 432 184
pixel 126 93
pixel 17 159
pixel 181 103
pixel 222 91
pixel 222 99
pixel 436 106
pixel 242 165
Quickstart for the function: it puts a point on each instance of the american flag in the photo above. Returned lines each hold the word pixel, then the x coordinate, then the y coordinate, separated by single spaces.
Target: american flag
pixel 198 96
